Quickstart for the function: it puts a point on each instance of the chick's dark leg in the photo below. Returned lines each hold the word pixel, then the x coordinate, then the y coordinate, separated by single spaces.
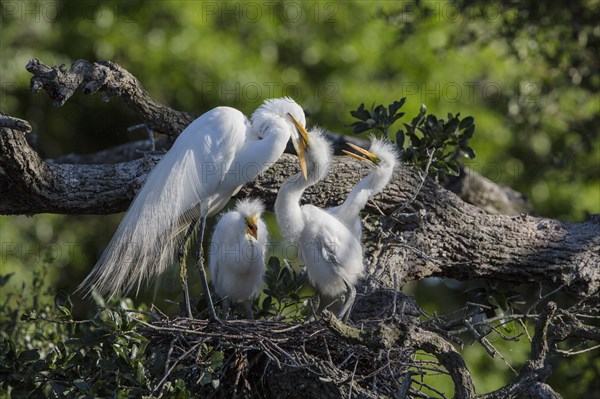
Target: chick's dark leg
pixel 247 304
pixel 183 268
pixel 200 264
pixel 225 308
pixel 347 306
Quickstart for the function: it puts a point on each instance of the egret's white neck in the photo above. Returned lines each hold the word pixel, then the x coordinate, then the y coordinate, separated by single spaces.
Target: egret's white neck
pixel 357 199
pixel 276 139
pixel 266 143
pixel 369 186
pixel 287 207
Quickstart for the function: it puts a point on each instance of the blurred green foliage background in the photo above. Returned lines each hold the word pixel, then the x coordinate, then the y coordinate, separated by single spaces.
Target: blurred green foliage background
pixel 527 72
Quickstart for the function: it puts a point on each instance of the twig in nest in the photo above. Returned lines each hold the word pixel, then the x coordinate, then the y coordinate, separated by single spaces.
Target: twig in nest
pixel 180 358
pixel 352 379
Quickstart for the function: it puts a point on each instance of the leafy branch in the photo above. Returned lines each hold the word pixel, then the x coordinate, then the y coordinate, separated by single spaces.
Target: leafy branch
pixel 435 144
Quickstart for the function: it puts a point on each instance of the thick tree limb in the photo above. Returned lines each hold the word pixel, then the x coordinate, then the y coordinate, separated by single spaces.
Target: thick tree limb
pixel 493 198
pixel 32 186
pixel 60 84
pixel 469 186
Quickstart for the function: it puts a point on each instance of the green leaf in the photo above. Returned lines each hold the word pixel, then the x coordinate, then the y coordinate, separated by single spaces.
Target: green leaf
pixel 57 388
pixel 120 352
pixel 266 303
pixel 451 127
pixel 396 117
pixel 62 302
pixel 395 106
pixel 30 355
pixel 29 315
pixel 361 113
pixel 134 351
pixel 466 122
pixel 360 127
pixel 98 299
pixel 82 385
pixel 20 392
pixel 4 279
pixel 216 360
pixel 400 139
pixel 468 132
pixel 468 152
pixel 453 168
pixel 112 319
pixel 107 365
pixel 140 373
pixel 68 359
pixel 274 263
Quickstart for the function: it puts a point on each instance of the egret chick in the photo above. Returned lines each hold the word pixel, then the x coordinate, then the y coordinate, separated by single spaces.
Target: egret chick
pixel 209 162
pixel 382 159
pixel 237 254
pixel 331 253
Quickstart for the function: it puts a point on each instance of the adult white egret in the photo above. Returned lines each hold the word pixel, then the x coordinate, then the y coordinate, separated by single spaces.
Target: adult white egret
pixel 237 254
pixel 382 159
pixel 331 253
pixel 209 162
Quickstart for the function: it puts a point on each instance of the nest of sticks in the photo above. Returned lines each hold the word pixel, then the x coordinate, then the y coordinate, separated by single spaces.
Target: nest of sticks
pixel 264 358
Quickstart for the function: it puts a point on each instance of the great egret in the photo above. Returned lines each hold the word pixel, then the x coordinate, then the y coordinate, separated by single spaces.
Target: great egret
pixel 237 253
pixel 381 158
pixel 332 254
pixel 209 162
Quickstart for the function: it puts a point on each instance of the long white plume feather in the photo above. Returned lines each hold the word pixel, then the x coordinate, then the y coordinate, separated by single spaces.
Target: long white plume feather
pixel 144 244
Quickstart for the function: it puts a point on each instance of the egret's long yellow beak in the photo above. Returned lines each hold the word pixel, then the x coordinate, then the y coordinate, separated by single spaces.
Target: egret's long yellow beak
pixel 300 142
pixel 368 156
pixel 252 227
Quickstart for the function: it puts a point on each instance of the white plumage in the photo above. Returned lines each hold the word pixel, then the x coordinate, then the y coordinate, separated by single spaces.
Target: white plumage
pixel 331 253
pixel 209 162
pixel 237 252
pixel 382 159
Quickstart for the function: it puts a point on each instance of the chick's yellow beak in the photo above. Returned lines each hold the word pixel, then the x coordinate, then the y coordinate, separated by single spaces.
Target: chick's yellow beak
pixel 252 227
pixel 368 156
pixel 300 142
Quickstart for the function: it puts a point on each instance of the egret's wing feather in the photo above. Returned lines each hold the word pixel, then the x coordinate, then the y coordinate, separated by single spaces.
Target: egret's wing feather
pixel 324 232
pixel 331 240
pixel 223 239
pixel 329 245
pixel 145 242
pixel 142 247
